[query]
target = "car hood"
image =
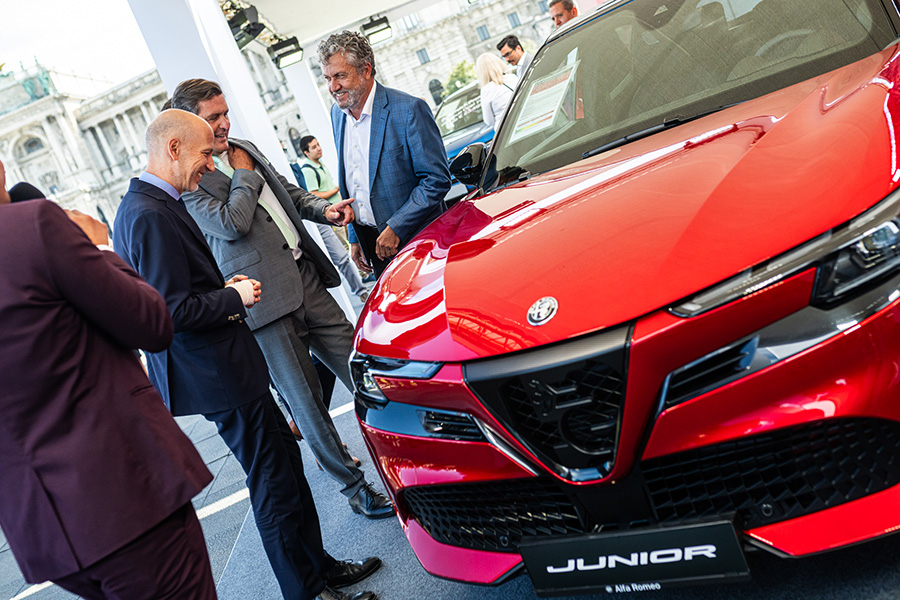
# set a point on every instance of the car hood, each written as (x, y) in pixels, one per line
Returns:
(641, 227)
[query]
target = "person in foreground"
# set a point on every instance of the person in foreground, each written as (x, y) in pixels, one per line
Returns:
(391, 158)
(214, 366)
(97, 477)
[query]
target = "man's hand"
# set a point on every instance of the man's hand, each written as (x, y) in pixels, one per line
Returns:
(4, 195)
(340, 213)
(96, 231)
(387, 244)
(356, 255)
(249, 289)
(239, 159)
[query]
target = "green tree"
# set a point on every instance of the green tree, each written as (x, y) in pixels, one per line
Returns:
(461, 74)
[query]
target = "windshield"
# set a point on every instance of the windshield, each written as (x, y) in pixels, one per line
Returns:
(462, 109)
(653, 62)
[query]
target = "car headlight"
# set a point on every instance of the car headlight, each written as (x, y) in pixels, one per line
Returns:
(364, 369)
(858, 265)
(850, 259)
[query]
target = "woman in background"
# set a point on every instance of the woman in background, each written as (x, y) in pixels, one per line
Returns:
(496, 88)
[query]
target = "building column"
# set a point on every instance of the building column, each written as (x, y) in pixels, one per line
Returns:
(57, 148)
(129, 139)
(145, 112)
(206, 49)
(100, 159)
(107, 151)
(66, 124)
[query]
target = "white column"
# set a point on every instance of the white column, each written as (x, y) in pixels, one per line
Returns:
(57, 148)
(316, 115)
(129, 139)
(68, 126)
(191, 38)
(95, 149)
(107, 150)
(145, 112)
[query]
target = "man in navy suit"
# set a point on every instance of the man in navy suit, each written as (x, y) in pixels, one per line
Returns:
(391, 159)
(214, 366)
(96, 476)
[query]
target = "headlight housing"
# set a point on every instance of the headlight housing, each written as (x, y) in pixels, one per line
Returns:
(850, 259)
(364, 369)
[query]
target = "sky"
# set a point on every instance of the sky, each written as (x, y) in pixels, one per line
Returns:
(94, 38)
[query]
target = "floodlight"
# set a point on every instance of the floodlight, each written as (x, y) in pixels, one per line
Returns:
(286, 52)
(377, 30)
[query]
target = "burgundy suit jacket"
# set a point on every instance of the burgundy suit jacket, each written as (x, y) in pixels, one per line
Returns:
(89, 456)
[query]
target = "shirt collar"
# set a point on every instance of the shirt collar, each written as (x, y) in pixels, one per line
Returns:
(367, 107)
(160, 183)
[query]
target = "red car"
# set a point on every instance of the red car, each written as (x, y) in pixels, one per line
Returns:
(666, 325)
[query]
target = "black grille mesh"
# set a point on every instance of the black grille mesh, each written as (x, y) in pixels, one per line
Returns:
(492, 516)
(773, 477)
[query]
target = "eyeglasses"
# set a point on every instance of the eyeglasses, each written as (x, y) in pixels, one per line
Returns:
(506, 54)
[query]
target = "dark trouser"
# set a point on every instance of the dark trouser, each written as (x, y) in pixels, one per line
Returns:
(282, 503)
(167, 562)
(367, 237)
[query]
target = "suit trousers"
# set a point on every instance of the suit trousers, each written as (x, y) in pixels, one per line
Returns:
(367, 237)
(282, 502)
(169, 561)
(318, 325)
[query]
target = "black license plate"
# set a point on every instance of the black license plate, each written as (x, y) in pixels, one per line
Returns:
(635, 561)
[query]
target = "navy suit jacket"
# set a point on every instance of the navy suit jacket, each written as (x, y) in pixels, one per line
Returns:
(214, 363)
(408, 172)
(89, 457)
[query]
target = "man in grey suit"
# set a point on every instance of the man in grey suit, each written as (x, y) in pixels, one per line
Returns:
(252, 218)
(391, 157)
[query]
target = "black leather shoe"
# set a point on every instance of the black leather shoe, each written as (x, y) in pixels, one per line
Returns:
(331, 594)
(345, 572)
(371, 504)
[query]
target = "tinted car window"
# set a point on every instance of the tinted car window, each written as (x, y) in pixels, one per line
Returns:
(459, 111)
(642, 65)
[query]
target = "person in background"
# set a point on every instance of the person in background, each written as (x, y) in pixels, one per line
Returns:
(319, 183)
(563, 11)
(214, 366)
(511, 51)
(496, 88)
(97, 477)
(391, 159)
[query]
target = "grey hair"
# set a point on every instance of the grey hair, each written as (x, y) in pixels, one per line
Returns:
(567, 5)
(352, 45)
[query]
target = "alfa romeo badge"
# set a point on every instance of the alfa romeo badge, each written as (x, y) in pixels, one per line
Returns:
(542, 310)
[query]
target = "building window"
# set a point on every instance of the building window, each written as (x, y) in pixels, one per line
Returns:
(514, 19)
(410, 22)
(30, 146)
(544, 6)
(483, 33)
(423, 56)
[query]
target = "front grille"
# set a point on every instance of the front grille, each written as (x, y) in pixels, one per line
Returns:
(564, 403)
(492, 516)
(777, 476)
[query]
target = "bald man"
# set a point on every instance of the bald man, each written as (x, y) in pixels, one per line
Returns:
(214, 366)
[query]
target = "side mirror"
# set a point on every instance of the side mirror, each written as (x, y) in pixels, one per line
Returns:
(467, 165)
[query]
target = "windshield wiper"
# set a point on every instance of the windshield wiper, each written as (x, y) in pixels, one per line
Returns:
(666, 124)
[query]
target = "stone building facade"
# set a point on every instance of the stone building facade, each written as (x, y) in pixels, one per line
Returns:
(82, 152)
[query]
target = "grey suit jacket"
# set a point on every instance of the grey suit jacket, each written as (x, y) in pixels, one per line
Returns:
(245, 240)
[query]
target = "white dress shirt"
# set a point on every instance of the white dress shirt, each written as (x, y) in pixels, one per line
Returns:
(357, 134)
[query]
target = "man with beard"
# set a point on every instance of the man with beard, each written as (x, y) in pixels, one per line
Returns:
(391, 157)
